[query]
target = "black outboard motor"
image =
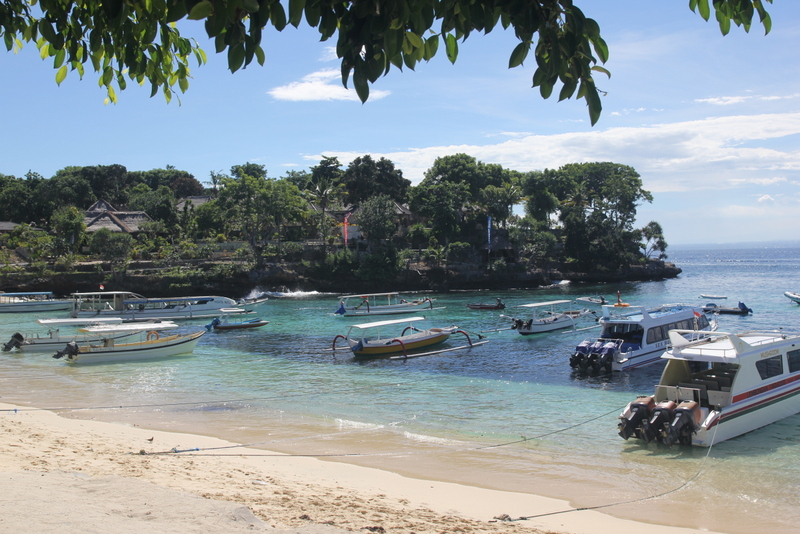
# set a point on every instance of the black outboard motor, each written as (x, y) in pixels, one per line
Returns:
(745, 309)
(661, 417)
(14, 343)
(684, 422)
(516, 324)
(69, 351)
(639, 413)
(581, 352)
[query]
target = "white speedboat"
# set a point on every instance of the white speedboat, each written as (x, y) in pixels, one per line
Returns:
(718, 387)
(547, 317)
(793, 296)
(113, 328)
(154, 346)
(37, 301)
(134, 307)
(634, 336)
(381, 304)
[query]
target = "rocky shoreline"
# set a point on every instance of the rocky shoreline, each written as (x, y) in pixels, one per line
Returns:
(205, 277)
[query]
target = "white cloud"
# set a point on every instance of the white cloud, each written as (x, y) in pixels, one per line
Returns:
(766, 198)
(723, 100)
(322, 85)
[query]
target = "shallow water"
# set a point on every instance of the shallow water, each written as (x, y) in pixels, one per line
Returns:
(510, 414)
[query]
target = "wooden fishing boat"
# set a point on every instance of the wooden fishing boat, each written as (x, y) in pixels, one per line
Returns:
(381, 304)
(226, 322)
(717, 387)
(547, 317)
(36, 301)
(380, 338)
(498, 305)
(154, 346)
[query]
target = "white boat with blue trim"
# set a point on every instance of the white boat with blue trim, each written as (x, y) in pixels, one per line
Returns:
(716, 387)
(35, 301)
(382, 304)
(634, 336)
(134, 307)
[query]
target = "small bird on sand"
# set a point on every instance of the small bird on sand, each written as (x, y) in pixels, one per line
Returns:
(150, 439)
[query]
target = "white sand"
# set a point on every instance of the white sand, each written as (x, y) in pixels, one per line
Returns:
(66, 475)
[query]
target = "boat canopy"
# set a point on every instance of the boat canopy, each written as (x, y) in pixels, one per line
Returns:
(28, 294)
(543, 304)
(386, 323)
(365, 295)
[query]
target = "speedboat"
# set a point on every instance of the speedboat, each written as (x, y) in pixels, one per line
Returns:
(224, 321)
(717, 387)
(598, 299)
(547, 317)
(37, 301)
(381, 304)
(134, 307)
(793, 296)
(154, 346)
(635, 336)
(741, 309)
(53, 341)
(381, 338)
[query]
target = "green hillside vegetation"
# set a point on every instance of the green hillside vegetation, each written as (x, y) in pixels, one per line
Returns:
(579, 217)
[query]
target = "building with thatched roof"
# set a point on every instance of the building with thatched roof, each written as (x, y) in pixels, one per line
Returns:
(102, 214)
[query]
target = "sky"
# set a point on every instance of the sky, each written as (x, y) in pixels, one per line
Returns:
(710, 122)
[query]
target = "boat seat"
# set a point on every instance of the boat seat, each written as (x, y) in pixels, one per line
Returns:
(701, 389)
(710, 384)
(722, 380)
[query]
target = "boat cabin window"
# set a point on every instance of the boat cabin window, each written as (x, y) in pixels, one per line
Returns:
(794, 360)
(625, 332)
(660, 333)
(769, 367)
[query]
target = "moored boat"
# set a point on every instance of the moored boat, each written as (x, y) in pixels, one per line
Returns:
(154, 346)
(497, 305)
(547, 317)
(36, 301)
(53, 341)
(741, 309)
(134, 307)
(718, 387)
(597, 299)
(793, 296)
(381, 304)
(635, 336)
(225, 321)
(128, 327)
(380, 338)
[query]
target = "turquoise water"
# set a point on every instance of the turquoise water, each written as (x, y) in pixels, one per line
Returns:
(510, 414)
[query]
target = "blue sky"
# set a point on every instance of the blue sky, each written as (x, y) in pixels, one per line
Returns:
(711, 123)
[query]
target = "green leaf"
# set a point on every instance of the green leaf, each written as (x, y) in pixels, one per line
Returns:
(183, 83)
(518, 55)
(361, 84)
(605, 71)
(431, 47)
(108, 76)
(414, 39)
(593, 101)
(235, 57)
(546, 89)
(61, 74)
(451, 47)
(260, 57)
(201, 10)
(59, 58)
(705, 12)
(296, 8)
(278, 16)
(112, 95)
(251, 6)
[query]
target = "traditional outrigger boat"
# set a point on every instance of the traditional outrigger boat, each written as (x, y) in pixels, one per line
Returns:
(717, 387)
(635, 336)
(224, 321)
(547, 317)
(36, 301)
(370, 340)
(154, 346)
(598, 299)
(381, 304)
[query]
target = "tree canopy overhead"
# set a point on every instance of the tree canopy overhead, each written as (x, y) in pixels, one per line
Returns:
(140, 41)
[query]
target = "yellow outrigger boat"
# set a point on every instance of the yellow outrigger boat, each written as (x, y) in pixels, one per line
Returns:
(372, 340)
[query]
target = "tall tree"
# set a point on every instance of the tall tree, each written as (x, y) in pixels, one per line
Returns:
(68, 226)
(140, 41)
(366, 178)
(376, 218)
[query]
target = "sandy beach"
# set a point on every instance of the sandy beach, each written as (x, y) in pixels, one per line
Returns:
(69, 475)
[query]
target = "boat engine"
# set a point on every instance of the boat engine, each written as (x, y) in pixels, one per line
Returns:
(581, 352)
(685, 421)
(14, 343)
(605, 356)
(516, 324)
(69, 351)
(637, 413)
(661, 416)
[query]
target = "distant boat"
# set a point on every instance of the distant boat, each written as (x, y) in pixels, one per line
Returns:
(128, 327)
(547, 317)
(53, 341)
(381, 304)
(704, 296)
(37, 301)
(224, 322)
(599, 299)
(793, 296)
(487, 306)
(741, 309)
(134, 307)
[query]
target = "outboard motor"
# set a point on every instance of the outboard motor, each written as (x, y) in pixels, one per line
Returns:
(744, 308)
(594, 355)
(14, 343)
(70, 351)
(516, 324)
(684, 422)
(581, 351)
(638, 413)
(210, 326)
(605, 356)
(661, 417)
(341, 310)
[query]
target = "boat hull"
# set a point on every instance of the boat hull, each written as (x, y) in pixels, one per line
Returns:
(398, 345)
(241, 326)
(793, 296)
(154, 348)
